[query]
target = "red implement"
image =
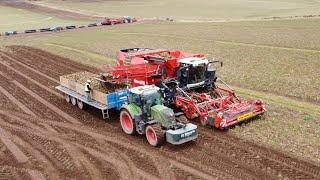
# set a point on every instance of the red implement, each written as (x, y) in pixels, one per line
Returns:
(223, 111)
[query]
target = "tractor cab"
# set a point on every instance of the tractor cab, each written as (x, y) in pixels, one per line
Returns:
(196, 72)
(145, 96)
(149, 99)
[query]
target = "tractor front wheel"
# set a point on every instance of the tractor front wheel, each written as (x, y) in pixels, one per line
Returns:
(155, 135)
(127, 123)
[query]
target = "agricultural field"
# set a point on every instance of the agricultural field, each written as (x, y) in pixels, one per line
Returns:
(21, 19)
(276, 61)
(184, 10)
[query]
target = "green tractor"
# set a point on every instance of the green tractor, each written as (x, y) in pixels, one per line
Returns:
(145, 114)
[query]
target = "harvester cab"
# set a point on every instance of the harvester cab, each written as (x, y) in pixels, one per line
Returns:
(196, 73)
(145, 114)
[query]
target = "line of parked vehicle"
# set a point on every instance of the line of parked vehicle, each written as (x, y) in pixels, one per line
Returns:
(105, 22)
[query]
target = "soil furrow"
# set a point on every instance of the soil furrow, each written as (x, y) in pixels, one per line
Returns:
(6, 55)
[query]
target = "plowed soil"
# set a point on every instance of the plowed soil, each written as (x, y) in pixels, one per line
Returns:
(43, 137)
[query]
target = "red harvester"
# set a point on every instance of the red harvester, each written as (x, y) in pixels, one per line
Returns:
(144, 66)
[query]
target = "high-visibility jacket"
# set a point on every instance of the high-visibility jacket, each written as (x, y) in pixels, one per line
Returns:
(87, 87)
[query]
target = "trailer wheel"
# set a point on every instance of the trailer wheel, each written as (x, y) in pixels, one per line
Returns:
(80, 104)
(183, 119)
(67, 97)
(73, 101)
(155, 135)
(127, 123)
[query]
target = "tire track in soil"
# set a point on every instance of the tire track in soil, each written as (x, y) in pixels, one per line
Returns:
(94, 173)
(9, 172)
(29, 101)
(40, 139)
(258, 157)
(29, 62)
(30, 79)
(16, 102)
(64, 63)
(46, 103)
(7, 56)
(17, 153)
(71, 150)
(234, 145)
(57, 140)
(42, 64)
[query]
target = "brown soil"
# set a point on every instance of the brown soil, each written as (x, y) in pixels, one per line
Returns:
(48, 138)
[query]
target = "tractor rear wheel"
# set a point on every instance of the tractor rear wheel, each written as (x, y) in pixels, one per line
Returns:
(155, 135)
(182, 119)
(73, 101)
(127, 122)
(67, 97)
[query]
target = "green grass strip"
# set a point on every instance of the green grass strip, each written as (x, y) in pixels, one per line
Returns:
(281, 100)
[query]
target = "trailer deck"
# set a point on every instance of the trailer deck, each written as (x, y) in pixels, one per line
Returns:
(104, 108)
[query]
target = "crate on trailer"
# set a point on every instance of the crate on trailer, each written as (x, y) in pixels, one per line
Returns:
(99, 96)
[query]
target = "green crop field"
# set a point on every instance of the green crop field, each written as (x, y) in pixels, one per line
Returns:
(20, 19)
(212, 10)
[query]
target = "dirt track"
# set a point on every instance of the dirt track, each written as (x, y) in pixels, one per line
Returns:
(43, 137)
(49, 11)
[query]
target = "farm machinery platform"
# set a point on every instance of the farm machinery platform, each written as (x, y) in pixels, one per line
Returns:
(143, 66)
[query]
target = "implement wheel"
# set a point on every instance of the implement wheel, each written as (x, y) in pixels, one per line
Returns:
(155, 135)
(73, 101)
(127, 123)
(67, 97)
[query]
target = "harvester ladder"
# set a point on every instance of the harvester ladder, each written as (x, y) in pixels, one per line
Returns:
(105, 114)
(127, 60)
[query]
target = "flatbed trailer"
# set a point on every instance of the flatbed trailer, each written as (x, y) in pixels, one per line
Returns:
(114, 100)
(69, 94)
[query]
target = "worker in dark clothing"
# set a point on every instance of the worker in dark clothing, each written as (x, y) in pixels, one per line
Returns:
(88, 89)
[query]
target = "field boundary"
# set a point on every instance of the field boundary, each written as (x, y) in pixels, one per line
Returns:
(84, 52)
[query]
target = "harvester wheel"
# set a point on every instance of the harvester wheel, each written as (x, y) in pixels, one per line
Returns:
(73, 101)
(67, 97)
(155, 135)
(183, 119)
(80, 104)
(127, 123)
